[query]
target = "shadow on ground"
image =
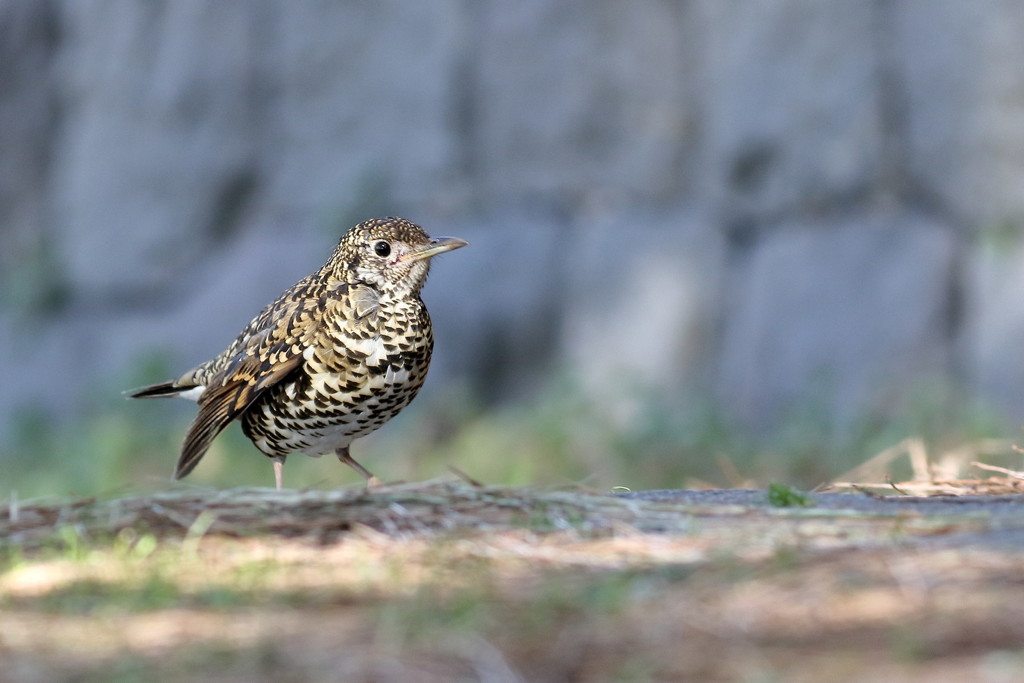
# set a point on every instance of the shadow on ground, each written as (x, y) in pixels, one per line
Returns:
(452, 581)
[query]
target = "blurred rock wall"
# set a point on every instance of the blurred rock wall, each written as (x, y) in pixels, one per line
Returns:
(764, 201)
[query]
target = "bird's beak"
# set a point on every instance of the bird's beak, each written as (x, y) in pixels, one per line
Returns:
(436, 246)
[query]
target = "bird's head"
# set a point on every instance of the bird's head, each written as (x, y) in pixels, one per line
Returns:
(391, 254)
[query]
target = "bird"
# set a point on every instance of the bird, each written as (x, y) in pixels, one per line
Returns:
(331, 360)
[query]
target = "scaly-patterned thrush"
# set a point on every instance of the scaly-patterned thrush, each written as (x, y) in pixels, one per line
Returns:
(331, 360)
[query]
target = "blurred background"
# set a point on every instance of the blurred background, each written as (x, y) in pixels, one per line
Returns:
(713, 241)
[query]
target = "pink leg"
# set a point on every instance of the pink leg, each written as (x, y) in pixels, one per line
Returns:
(350, 461)
(278, 471)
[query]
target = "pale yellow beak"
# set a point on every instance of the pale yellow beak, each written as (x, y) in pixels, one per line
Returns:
(437, 245)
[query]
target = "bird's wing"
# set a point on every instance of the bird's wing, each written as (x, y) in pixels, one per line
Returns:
(271, 348)
(268, 350)
(249, 339)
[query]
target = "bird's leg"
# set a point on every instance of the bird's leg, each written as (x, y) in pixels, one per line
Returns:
(344, 456)
(278, 471)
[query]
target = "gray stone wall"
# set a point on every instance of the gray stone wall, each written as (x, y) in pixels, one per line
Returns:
(764, 201)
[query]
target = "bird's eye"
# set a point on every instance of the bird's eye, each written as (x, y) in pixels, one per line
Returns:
(382, 249)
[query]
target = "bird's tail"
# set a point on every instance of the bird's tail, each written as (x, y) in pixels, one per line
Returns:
(158, 390)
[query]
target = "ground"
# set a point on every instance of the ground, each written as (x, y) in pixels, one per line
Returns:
(450, 580)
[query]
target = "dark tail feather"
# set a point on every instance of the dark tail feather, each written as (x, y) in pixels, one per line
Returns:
(157, 390)
(215, 413)
(219, 405)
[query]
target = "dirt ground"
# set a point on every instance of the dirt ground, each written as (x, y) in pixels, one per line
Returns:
(448, 581)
